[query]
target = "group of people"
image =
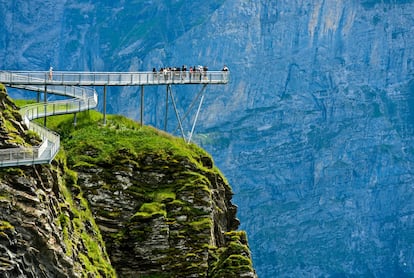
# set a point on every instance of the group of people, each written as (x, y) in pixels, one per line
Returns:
(195, 72)
(183, 68)
(171, 73)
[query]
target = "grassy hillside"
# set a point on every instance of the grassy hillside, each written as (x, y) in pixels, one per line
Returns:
(90, 142)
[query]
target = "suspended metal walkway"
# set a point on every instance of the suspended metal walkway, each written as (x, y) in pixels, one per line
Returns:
(82, 99)
(112, 78)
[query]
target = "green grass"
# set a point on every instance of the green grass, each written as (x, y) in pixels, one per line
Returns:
(120, 140)
(23, 102)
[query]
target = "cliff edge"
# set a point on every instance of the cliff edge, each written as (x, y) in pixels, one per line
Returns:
(119, 200)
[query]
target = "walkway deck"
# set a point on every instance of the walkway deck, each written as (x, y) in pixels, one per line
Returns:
(112, 78)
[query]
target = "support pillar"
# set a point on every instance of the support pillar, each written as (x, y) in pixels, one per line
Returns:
(104, 106)
(168, 88)
(45, 103)
(142, 105)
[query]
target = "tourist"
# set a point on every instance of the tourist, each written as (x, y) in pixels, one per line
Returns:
(50, 73)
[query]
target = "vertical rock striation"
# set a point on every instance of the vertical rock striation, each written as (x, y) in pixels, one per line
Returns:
(162, 213)
(44, 230)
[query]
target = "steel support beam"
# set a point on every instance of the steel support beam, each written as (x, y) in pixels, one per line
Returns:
(104, 105)
(45, 101)
(142, 106)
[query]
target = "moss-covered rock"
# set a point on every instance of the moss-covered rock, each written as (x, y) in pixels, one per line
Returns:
(13, 132)
(45, 230)
(120, 200)
(162, 204)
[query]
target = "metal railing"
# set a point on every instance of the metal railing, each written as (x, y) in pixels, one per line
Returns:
(81, 99)
(113, 78)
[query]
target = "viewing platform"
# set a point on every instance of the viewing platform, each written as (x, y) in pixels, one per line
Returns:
(70, 78)
(73, 86)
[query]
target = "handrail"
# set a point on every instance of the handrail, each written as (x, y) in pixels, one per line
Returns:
(81, 99)
(113, 78)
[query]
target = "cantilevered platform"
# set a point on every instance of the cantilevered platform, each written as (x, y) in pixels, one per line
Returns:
(112, 78)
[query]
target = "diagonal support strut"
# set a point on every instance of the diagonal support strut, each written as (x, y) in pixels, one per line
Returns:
(180, 119)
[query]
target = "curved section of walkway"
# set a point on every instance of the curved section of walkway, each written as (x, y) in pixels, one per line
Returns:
(79, 99)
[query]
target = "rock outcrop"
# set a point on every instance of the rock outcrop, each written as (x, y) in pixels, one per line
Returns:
(162, 214)
(162, 206)
(45, 230)
(159, 211)
(13, 133)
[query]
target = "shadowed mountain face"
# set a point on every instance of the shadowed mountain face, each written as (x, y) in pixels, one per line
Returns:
(314, 132)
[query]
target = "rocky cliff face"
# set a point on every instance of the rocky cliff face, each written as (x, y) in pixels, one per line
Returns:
(12, 132)
(162, 205)
(156, 214)
(45, 231)
(162, 215)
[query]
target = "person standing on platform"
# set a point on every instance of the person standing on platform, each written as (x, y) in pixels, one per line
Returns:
(50, 73)
(183, 72)
(225, 72)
